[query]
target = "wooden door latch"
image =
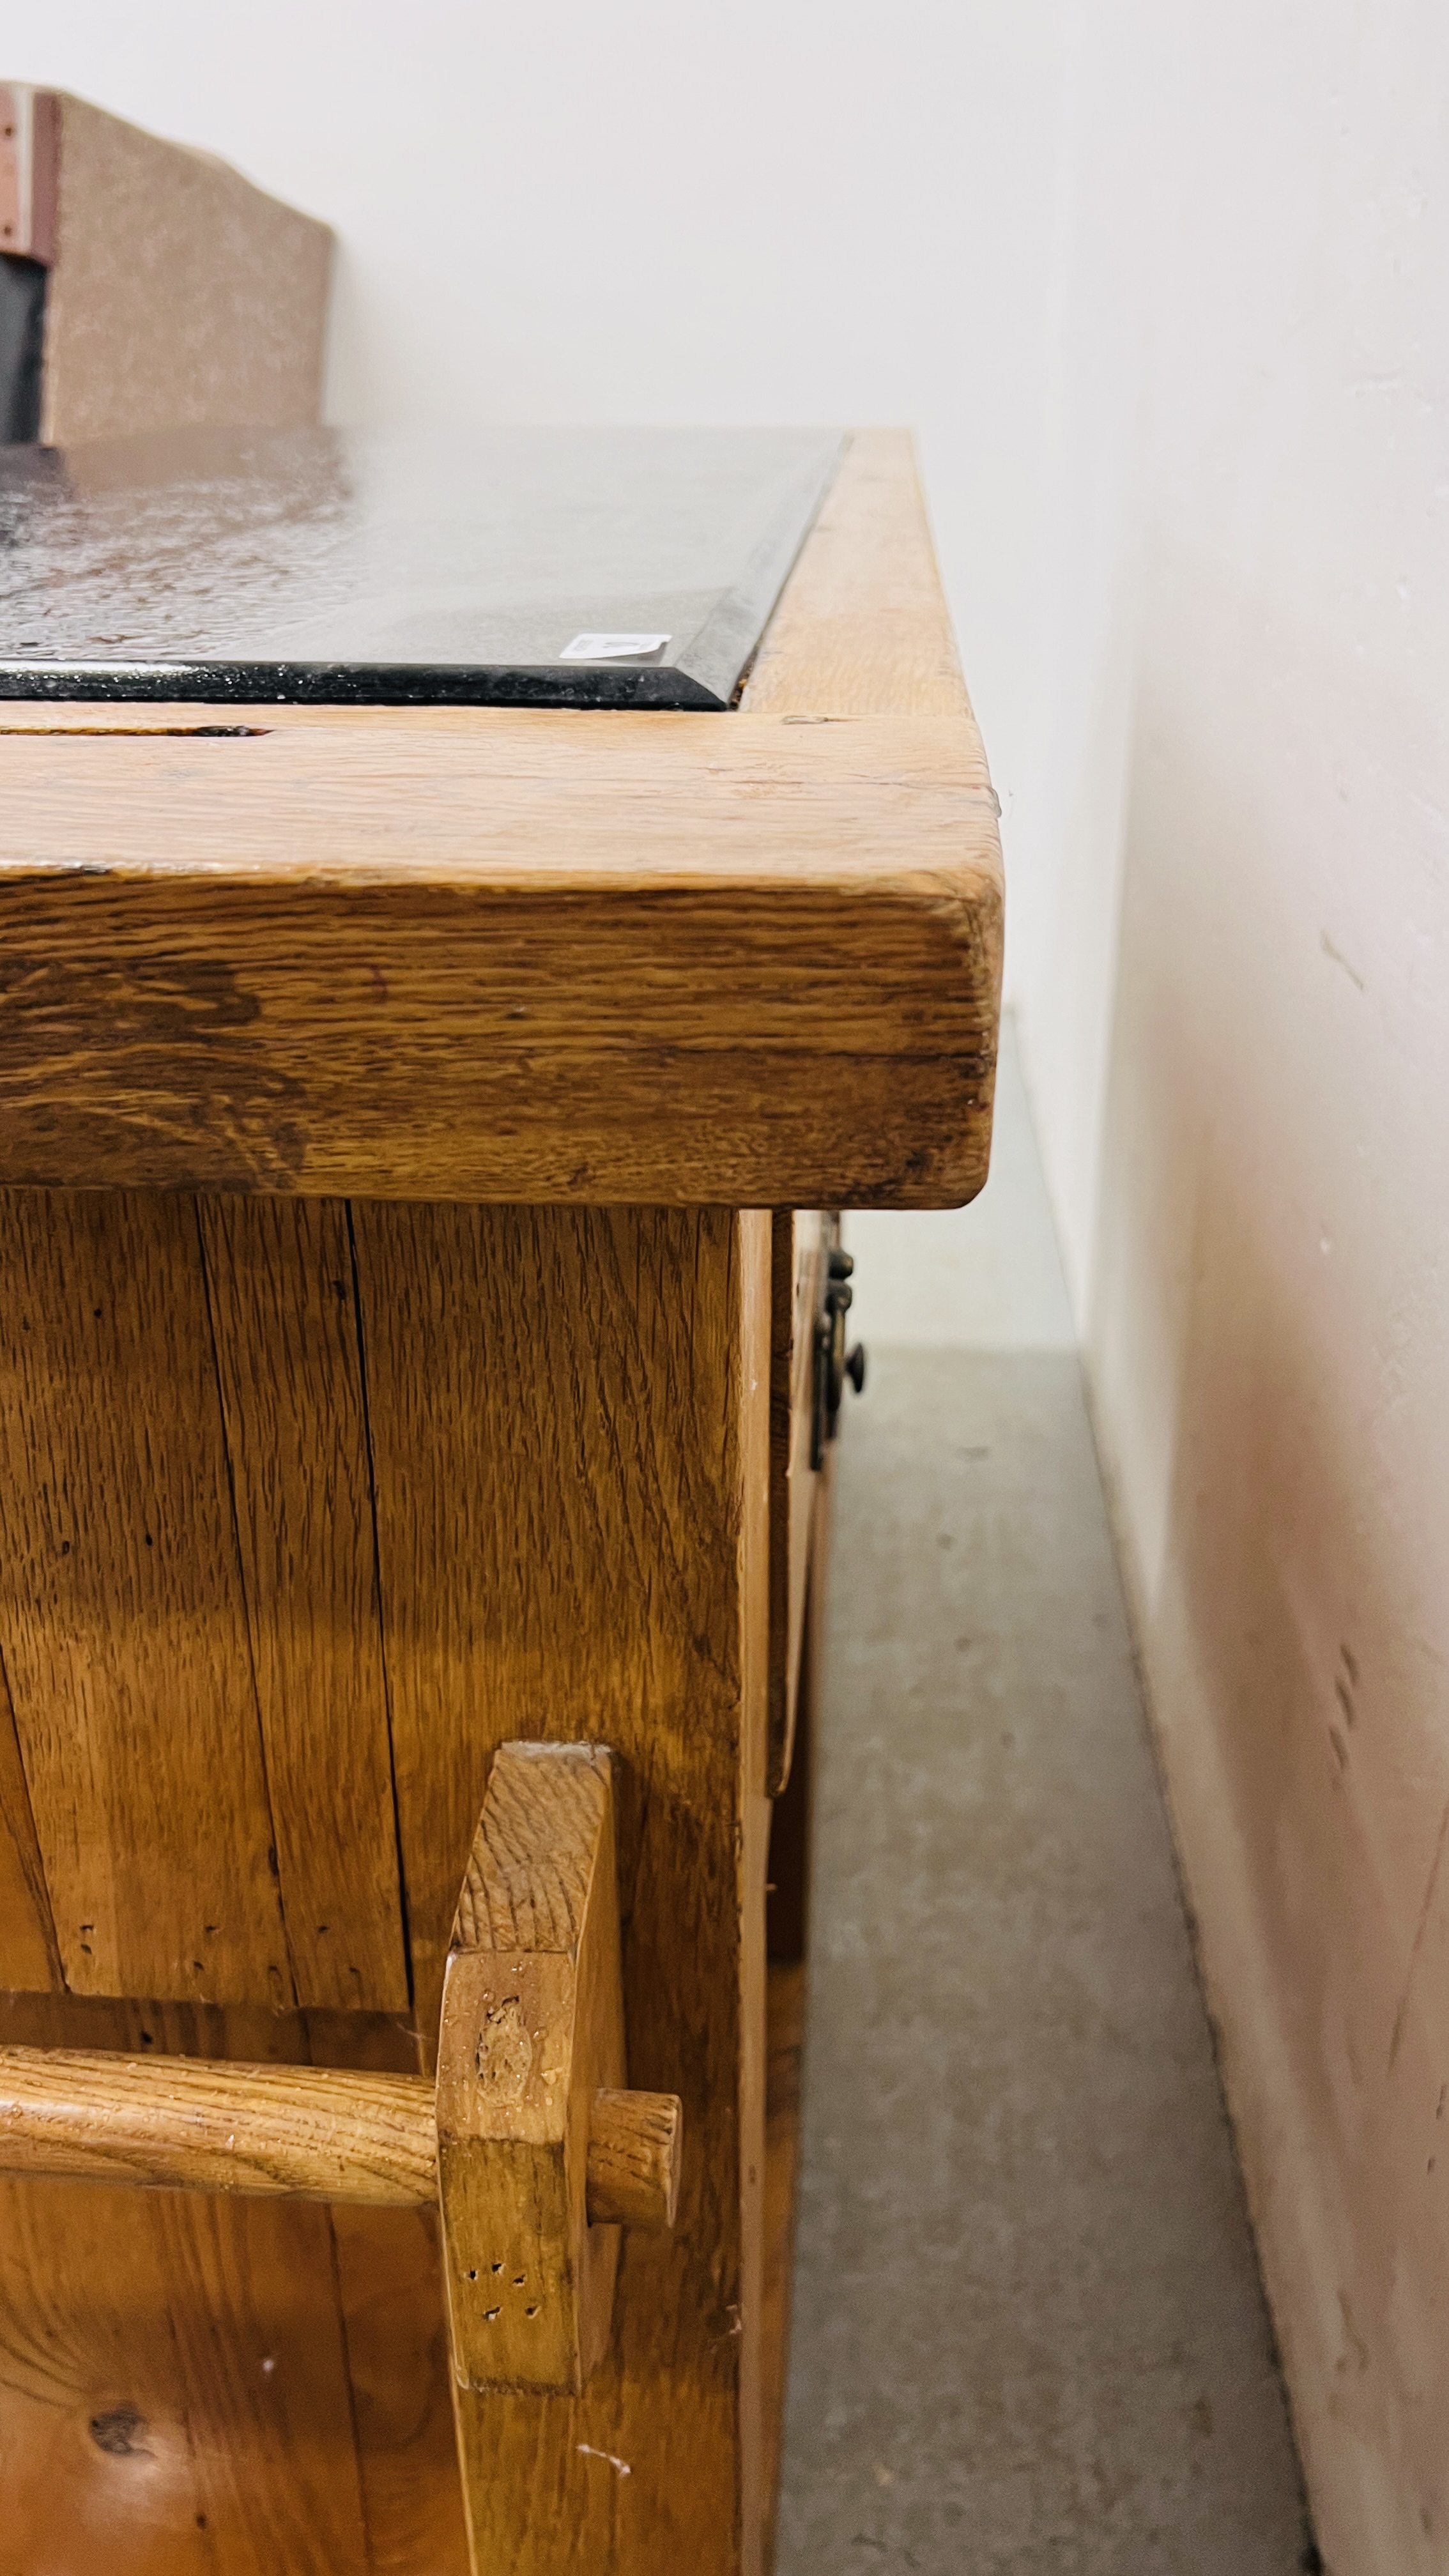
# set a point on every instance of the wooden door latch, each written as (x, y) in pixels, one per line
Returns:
(529, 2143)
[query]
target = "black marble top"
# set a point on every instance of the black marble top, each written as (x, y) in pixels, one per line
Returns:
(502, 567)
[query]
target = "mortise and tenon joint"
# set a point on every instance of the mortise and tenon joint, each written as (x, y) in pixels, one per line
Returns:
(535, 2150)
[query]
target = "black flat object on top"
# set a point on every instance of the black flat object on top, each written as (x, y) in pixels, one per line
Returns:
(491, 567)
(22, 346)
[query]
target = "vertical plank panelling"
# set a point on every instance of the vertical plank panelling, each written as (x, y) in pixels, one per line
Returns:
(173, 2372)
(173, 2381)
(28, 1955)
(390, 2286)
(97, 2463)
(259, 2336)
(280, 1280)
(569, 1414)
(121, 1616)
(798, 1249)
(390, 2277)
(782, 2157)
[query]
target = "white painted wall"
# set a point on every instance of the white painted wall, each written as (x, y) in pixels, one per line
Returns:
(987, 1277)
(1262, 1251)
(1165, 291)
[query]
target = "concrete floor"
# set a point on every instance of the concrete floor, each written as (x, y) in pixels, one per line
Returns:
(1028, 2330)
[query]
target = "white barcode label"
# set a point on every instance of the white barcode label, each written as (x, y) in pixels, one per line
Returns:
(612, 648)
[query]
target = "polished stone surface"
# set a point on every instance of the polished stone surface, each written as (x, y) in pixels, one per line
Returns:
(547, 567)
(1029, 2338)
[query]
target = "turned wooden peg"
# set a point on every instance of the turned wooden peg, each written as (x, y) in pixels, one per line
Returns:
(291, 2133)
(543, 2154)
(633, 2161)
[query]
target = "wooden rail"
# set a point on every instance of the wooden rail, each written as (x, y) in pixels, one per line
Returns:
(290, 2132)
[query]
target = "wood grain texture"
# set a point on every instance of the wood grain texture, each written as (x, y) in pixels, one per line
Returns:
(862, 627)
(394, 2313)
(537, 1851)
(504, 961)
(121, 1616)
(300, 2133)
(100, 2465)
(516, 956)
(794, 1296)
(787, 2000)
(635, 2146)
(346, 2304)
(250, 2282)
(173, 2381)
(394, 2310)
(690, 1295)
(532, 2025)
(787, 1919)
(283, 1314)
(569, 1413)
(29, 1957)
(178, 293)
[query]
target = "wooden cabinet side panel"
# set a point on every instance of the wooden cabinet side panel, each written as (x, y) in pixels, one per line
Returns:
(173, 2379)
(390, 2283)
(795, 1294)
(29, 1958)
(569, 1409)
(121, 1616)
(97, 2451)
(283, 1312)
(259, 2336)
